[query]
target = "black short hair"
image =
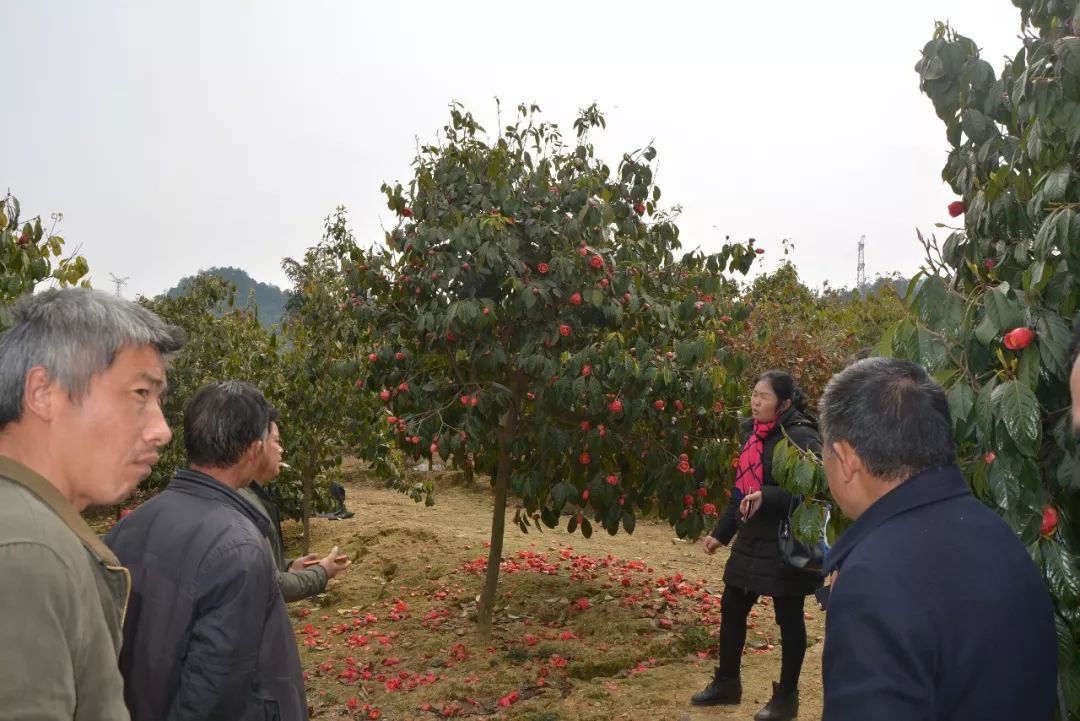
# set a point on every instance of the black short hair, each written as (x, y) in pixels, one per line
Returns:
(785, 388)
(894, 415)
(222, 420)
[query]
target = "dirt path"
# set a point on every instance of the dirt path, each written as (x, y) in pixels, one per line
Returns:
(600, 628)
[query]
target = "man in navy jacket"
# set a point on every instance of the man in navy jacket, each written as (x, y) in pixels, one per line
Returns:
(207, 636)
(937, 611)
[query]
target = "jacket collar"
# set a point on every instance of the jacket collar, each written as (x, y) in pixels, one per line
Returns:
(791, 418)
(932, 486)
(203, 486)
(51, 497)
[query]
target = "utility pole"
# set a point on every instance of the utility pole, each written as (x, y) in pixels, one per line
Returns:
(119, 282)
(860, 278)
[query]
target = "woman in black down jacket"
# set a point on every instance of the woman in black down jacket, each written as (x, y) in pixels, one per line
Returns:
(755, 567)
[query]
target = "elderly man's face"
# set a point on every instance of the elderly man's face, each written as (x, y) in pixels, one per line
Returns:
(111, 437)
(1074, 391)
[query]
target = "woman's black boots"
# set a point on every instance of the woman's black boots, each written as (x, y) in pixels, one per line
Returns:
(783, 706)
(723, 690)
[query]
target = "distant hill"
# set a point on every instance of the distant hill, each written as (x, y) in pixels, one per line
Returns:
(269, 298)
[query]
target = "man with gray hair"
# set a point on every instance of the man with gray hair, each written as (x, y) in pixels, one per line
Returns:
(81, 377)
(208, 637)
(937, 611)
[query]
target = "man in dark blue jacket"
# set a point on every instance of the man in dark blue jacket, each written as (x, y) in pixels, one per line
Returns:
(937, 611)
(207, 636)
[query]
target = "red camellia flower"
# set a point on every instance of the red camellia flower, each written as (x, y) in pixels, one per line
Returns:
(957, 208)
(639, 208)
(989, 457)
(543, 267)
(684, 467)
(688, 500)
(372, 357)
(385, 395)
(585, 495)
(403, 388)
(575, 299)
(1049, 522)
(759, 251)
(450, 337)
(658, 404)
(615, 406)
(596, 261)
(407, 212)
(565, 330)
(584, 426)
(613, 480)
(989, 263)
(399, 356)
(584, 459)
(1019, 338)
(391, 420)
(703, 492)
(709, 509)
(586, 371)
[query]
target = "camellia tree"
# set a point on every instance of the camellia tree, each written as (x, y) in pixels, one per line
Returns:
(31, 254)
(529, 316)
(324, 414)
(991, 315)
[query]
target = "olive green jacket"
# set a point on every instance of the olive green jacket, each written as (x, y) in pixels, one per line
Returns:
(63, 597)
(294, 585)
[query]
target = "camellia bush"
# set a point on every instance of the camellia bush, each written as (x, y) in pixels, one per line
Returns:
(529, 317)
(31, 254)
(992, 312)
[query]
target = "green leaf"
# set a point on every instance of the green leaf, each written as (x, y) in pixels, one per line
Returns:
(1056, 183)
(986, 331)
(806, 473)
(1027, 371)
(984, 413)
(1004, 313)
(597, 297)
(977, 126)
(806, 521)
(586, 528)
(961, 402)
(1062, 577)
(1054, 337)
(629, 522)
(1019, 412)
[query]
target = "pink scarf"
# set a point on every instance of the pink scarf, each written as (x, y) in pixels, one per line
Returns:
(749, 474)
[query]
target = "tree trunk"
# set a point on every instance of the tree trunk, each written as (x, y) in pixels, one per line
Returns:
(306, 506)
(486, 608)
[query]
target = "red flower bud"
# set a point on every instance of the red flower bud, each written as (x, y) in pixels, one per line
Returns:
(575, 299)
(596, 261)
(542, 267)
(615, 406)
(565, 330)
(1019, 338)
(957, 208)
(1049, 522)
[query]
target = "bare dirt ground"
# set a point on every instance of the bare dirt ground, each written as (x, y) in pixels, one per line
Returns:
(616, 627)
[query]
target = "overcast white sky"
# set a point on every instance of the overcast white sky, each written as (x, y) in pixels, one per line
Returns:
(183, 135)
